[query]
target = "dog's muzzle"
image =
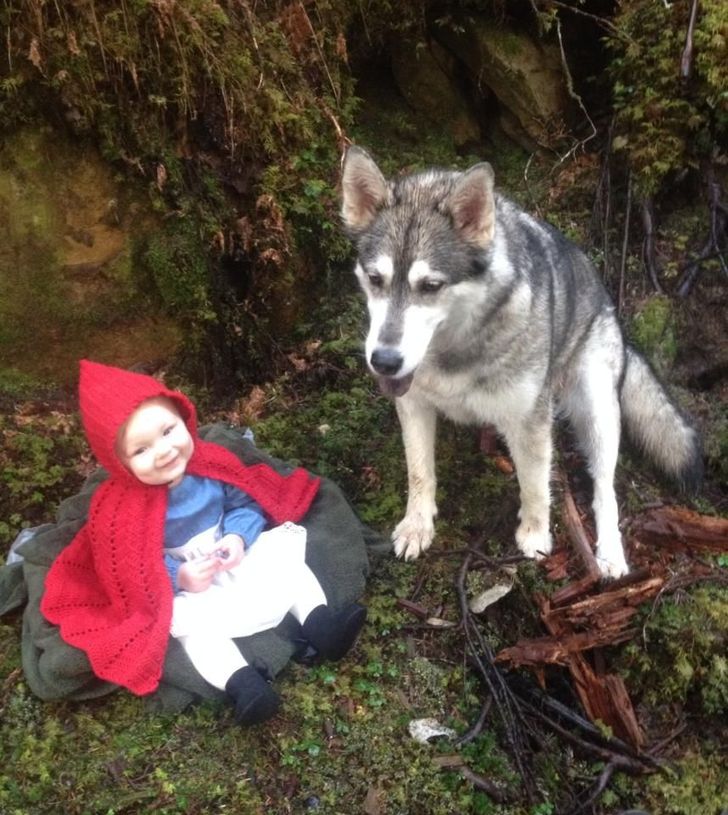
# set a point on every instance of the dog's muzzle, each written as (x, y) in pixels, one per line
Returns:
(386, 363)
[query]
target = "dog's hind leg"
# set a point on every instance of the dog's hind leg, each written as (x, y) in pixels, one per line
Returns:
(415, 531)
(595, 416)
(530, 445)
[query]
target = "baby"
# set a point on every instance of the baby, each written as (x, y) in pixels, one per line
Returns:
(177, 541)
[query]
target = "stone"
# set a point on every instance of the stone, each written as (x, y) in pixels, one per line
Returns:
(424, 74)
(525, 75)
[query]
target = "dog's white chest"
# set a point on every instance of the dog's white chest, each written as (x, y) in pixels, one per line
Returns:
(462, 401)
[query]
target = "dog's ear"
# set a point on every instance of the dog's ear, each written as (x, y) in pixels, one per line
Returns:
(364, 189)
(472, 205)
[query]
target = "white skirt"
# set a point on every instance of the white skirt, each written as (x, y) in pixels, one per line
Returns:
(254, 596)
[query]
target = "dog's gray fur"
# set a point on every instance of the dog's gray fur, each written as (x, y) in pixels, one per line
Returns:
(486, 315)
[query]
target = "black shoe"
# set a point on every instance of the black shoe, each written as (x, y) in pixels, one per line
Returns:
(331, 633)
(254, 699)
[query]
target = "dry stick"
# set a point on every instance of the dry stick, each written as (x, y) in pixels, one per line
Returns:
(506, 702)
(711, 248)
(476, 728)
(551, 710)
(574, 95)
(97, 28)
(692, 270)
(636, 765)
(604, 778)
(648, 246)
(609, 26)
(625, 242)
(482, 783)
(686, 61)
(606, 194)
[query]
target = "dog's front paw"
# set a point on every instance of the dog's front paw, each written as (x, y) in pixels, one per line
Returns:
(534, 540)
(610, 557)
(412, 535)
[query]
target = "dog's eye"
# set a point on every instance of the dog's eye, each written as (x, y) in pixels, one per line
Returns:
(375, 280)
(430, 286)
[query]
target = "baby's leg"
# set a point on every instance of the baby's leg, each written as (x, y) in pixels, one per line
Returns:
(308, 594)
(221, 664)
(215, 658)
(332, 634)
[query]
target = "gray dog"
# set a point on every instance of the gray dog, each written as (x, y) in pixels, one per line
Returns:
(486, 315)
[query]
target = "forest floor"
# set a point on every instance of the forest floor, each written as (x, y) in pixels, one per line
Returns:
(632, 716)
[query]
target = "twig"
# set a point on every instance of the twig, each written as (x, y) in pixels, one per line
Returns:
(604, 202)
(574, 95)
(692, 270)
(686, 61)
(482, 783)
(635, 765)
(604, 778)
(625, 243)
(508, 708)
(712, 246)
(475, 730)
(335, 90)
(534, 203)
(553, 711)
(609, 26)
(648, 246)
(660, 745)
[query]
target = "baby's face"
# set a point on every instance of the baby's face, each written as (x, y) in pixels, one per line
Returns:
(155, 444)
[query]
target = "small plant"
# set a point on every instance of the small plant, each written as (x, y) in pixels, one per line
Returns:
(40, 460)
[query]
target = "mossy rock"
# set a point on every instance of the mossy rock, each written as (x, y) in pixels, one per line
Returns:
(67, 289)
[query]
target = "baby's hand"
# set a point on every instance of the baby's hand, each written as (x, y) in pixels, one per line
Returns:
(197, 575)
(234, 548)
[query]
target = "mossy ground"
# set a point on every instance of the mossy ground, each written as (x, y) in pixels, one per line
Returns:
(341, 743)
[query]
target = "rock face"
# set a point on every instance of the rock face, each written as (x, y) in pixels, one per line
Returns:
(424, 75)
(526, 77)
(491, 61)
(67, 286)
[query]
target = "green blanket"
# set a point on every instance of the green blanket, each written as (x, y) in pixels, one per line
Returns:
(336, 550)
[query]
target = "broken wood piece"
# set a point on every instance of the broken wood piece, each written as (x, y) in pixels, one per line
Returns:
(558, 650)
(680, 529)
(602, 697)
(577, 533)
(588, 611)
(577, 588)
(413, 608)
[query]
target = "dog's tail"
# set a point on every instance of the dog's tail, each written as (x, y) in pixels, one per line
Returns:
(658, 426)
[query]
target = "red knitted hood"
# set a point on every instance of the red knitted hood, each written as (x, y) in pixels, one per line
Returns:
(108, 396)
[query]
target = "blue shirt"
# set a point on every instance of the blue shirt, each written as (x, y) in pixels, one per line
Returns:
(199, 504)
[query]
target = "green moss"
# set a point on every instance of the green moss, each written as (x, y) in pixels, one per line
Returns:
(652, 330)
(174, 261)
(696, 784)
(681, 657)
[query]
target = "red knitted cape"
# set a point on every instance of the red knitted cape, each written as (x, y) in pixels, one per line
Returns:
(109, 590)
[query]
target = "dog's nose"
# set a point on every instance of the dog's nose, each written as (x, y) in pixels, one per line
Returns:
(386, 361)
